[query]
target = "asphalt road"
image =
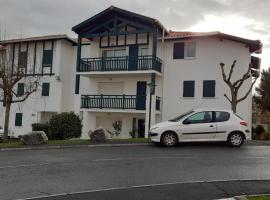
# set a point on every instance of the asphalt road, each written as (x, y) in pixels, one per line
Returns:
(143, 170)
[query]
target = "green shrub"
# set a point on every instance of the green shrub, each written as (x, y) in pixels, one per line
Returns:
(64, 126)
(259, 129)
(41, 127)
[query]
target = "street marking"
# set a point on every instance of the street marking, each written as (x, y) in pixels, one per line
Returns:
(139, 186)
(23, 165)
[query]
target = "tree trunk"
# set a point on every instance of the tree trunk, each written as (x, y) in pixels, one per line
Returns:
(233, 105)
(234, 100)
(6, 125)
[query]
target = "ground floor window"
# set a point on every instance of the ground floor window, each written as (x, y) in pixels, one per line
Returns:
(18, 119)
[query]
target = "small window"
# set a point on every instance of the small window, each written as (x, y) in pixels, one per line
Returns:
(190, 50)
(188, 88)
(45, 89)
(22, 60)
(18, 119)
(20, 89)
(114, 53)
(47, 57)
(222, 116)
(184, 50)
(201, 117)
(179, 50)
(209, 88)
(144, 52)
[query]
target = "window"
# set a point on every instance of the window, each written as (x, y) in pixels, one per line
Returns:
(222, 116)
(209, 88)
(20, 89)
(201, 117)
(188, 88)
(18, 119)
(179, 50)
(22, 60)
(114, 53)
(45, 89)
(184, 50)
(143, 51)
(47, 57)
(190, 50)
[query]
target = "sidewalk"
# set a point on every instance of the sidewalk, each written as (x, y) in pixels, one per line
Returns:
(174, 191)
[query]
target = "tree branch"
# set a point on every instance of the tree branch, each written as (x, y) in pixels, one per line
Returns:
(24, 98)
(231, 70)
(244, 97)
(225, 95)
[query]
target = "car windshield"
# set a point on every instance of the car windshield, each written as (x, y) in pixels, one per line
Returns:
(181, 116)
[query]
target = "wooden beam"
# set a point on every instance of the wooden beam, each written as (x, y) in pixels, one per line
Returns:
(52, 57)
(35, 58)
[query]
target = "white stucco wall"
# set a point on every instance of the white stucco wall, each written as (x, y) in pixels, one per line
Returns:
(61, 90)
(205, 66)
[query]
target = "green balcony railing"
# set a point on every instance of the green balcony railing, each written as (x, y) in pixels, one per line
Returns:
(137, 102)
(123, 63)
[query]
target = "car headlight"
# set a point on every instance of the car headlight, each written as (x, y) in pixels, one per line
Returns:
(154, 128)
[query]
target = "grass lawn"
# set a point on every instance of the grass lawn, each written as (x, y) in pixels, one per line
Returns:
(263, 197)
(18, 144)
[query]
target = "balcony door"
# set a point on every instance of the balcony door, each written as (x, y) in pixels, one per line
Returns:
(133, 57)
(141, 95)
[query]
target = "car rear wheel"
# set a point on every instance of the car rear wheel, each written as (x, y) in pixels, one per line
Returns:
(169, 139)
(236, 139)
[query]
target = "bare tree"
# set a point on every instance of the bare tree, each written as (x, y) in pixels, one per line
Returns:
(236, 85)
(10, 75)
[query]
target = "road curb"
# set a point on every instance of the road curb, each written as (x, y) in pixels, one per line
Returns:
(73, 146)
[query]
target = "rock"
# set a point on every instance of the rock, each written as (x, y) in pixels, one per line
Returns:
(34, 138)
(98, 135)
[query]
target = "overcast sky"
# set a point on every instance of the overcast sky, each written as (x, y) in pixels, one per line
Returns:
(245, 18)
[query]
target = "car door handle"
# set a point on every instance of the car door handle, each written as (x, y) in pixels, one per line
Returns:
(211, 126)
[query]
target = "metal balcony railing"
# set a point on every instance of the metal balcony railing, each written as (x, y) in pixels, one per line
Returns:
(123, 63)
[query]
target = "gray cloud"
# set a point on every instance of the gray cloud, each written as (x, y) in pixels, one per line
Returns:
(32, 17)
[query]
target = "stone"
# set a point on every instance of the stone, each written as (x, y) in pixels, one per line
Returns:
(34, 138)
(98, 135)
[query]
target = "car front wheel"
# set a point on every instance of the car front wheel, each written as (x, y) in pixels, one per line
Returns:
(169, 139)
(236, 139)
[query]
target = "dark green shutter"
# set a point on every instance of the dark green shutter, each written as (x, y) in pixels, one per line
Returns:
(188, 90)
(20, 89)
(22, 60)
(47, 57)
(77, 84)
(179, 50)
(45, 89)
(209, 88)
(18, 119)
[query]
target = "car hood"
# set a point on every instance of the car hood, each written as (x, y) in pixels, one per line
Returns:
(163, 124)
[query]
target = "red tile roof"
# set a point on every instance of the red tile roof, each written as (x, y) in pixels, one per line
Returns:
(39, 38)
(255, 46)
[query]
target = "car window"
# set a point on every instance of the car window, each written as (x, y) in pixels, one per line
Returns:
(201, 117)
(180, 116)
(222, 116)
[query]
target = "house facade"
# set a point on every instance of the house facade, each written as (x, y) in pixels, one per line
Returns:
(128, 68)
(50, 60)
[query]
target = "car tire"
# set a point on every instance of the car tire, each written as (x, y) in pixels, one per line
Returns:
(169, 139)
(236, 139)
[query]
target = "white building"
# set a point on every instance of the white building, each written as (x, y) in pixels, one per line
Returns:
(135, 71)
(51, 59)
(139, 73)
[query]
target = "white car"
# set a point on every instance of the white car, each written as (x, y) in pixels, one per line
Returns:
(202, 125)
(1, 133)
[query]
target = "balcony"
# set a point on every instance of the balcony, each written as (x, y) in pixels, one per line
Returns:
(123, 102)
(124, 63)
